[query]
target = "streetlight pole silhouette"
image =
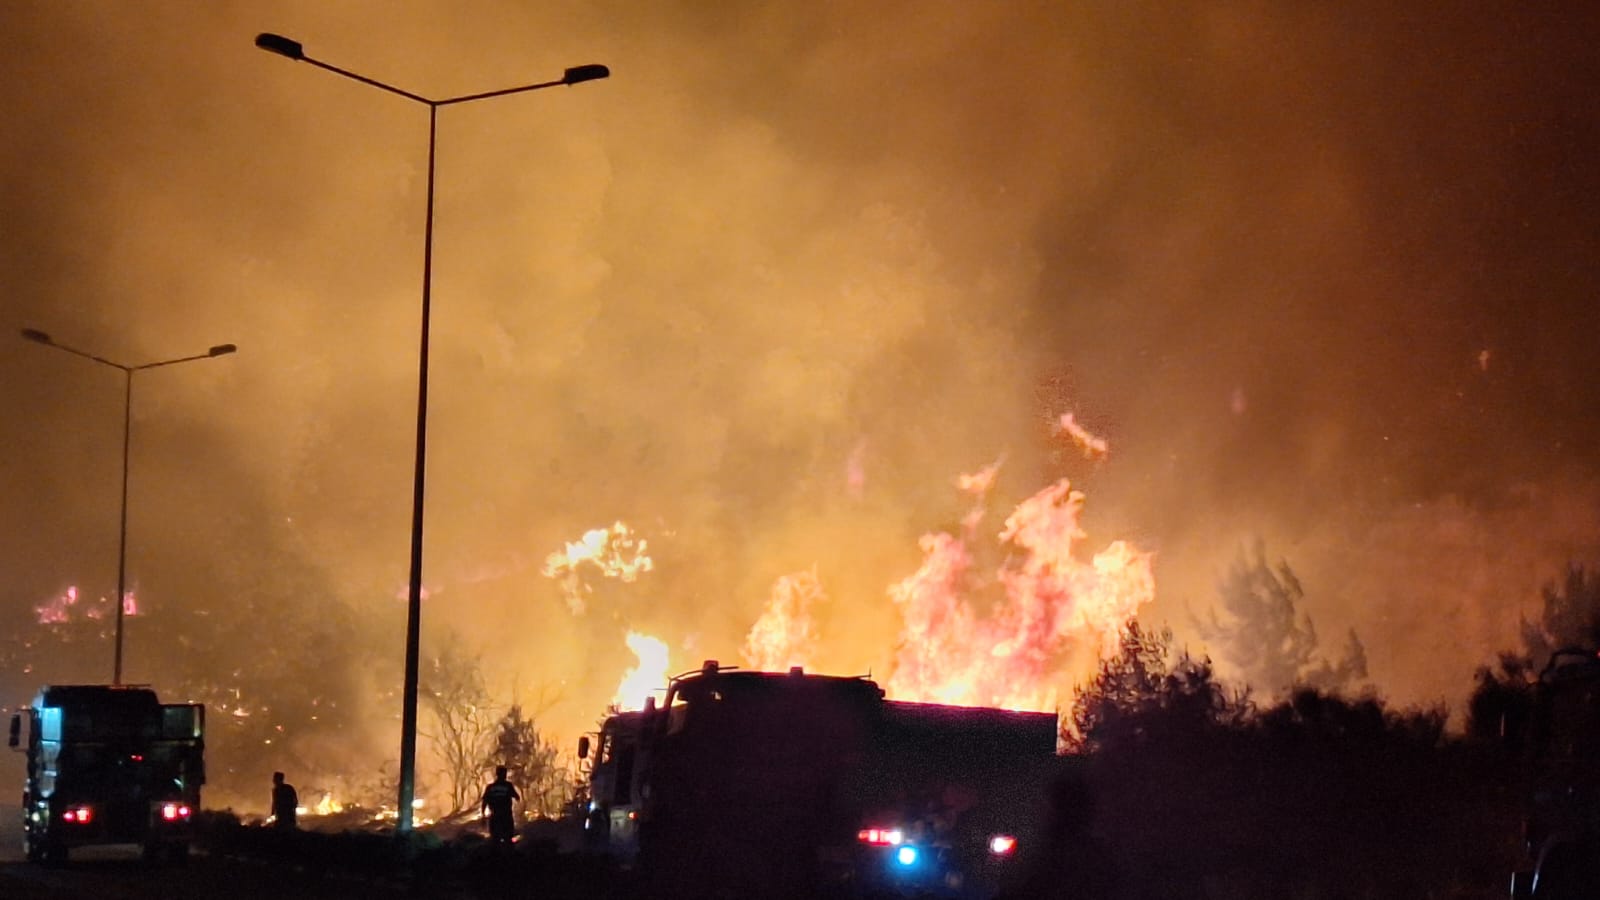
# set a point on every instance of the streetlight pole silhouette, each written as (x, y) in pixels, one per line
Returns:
(40, 337)
(292, 49)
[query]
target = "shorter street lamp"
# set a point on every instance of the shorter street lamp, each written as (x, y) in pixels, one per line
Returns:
(40, 337)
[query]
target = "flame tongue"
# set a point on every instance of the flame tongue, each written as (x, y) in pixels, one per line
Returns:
(785, 635)
(1051, 608)
(649, 674)
(615, 553)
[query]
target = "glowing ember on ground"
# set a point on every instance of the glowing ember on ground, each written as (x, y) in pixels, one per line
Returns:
(65, 607)
(326, 806)
(59, 609)
(647, 676)
(785, 635)
(614, 552)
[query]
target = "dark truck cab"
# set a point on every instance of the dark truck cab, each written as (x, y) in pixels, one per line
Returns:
(1562, 759)
(109, 764)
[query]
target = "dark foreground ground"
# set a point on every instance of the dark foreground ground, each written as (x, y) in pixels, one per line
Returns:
(241, 862)
(244, 862)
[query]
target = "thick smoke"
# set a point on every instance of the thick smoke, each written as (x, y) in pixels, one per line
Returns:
(1319, 275)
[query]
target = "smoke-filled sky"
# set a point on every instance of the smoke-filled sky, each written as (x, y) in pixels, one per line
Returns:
(1319, 274)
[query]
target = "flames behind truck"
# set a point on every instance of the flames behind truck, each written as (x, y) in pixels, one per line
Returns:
(762, 784)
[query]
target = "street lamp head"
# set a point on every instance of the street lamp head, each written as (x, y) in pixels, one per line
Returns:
(590, 72)
(37, 336)
(277, 43)
(222, 350)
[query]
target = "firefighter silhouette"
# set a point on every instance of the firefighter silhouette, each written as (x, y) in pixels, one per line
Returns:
(498, 798)
(285, 803)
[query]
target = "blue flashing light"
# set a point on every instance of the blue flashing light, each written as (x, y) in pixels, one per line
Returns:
(906, 856)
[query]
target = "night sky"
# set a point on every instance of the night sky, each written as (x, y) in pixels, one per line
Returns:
(1321, 275)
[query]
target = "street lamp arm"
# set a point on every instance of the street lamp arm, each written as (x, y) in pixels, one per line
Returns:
(500, 93)
(218, 350)
(289, 48)
(40, 337)
(365, 80)
(573, 75)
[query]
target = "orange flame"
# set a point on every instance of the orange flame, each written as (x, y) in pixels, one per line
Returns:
(785, 635)
(614, 552)
(1093, 447)
(648, 675)
(1053, 609)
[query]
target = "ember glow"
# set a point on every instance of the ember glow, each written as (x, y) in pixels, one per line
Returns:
(1093, 447)
(59, 609)
(67, 606)
(614, 552)
(326, 806)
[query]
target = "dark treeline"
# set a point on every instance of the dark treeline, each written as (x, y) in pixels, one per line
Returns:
(1179, 785)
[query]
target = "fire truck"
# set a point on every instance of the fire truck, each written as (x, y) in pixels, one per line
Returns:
(788, 784)
(611, 822)
(109, 764)
(1562, 756)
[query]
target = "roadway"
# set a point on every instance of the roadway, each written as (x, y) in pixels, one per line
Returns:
(118, 873)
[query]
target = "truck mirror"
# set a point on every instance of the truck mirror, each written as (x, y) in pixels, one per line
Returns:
(16, 730)
(583, 743)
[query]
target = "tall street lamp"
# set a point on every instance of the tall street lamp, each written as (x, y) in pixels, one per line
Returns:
(292, 49)
(40, 337)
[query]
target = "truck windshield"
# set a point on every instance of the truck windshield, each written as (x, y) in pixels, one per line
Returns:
(111, 725)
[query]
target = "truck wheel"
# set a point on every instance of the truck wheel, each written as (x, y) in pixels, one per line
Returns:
(178, 854)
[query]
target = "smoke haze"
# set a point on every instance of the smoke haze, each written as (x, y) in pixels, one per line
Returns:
(1321, 275)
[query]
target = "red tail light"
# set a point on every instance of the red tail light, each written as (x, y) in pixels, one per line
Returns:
(1002, 845)
(175, 812)
(881, 837)
(79, 814)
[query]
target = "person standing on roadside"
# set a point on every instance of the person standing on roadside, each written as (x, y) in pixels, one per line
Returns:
(498, 798)
(285, 803)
